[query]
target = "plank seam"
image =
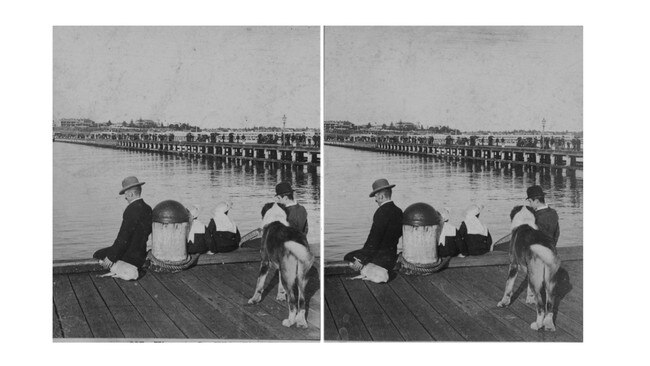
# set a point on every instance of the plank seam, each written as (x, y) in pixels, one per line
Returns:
(80, 307)
(409, 310)
(444, 318)
(58, 319)
(384, 310)
(355, 309)
(189, 310)
(163, 310)
(105, 303)
(131, 304)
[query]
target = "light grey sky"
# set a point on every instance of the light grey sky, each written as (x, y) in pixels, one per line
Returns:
(206, 76)
(470, 78)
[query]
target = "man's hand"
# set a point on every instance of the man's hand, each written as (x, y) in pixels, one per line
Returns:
(106, 263)
(356, 265)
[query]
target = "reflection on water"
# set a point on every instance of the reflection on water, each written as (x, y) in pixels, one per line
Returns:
(88, 210)
(440, 183)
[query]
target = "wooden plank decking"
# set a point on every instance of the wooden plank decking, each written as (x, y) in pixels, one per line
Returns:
(206, 302)
(456, 304)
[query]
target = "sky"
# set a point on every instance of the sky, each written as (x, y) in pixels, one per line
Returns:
(469, 78)
(206, 76)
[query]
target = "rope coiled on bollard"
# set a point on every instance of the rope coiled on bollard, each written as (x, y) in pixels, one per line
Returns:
(408, 268)
(157, 265)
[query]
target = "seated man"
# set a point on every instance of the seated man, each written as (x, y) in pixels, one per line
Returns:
(380, 247)
(129, 251)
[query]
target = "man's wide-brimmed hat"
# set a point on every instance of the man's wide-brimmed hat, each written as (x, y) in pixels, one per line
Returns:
(380, 184)
(282, 188)
(534, 192)
(130, 182)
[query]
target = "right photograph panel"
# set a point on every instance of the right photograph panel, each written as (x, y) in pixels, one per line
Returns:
(453, 184)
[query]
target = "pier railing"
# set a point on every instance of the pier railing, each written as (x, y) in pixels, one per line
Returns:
(280, 154)
(499, 155)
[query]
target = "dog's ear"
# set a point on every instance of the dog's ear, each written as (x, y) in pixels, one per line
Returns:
(514, 211)
(266, 207)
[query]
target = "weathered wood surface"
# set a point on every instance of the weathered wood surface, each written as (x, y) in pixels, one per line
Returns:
(206, 302)
(241, 255)
(456, 304)
(496, 258)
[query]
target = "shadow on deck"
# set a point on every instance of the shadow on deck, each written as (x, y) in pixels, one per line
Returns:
(207, 302)
(456, 304)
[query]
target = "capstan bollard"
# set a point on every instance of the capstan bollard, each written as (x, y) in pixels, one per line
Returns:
(421, 227)
(171, 225)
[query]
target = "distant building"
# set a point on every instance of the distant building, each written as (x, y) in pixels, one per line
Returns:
(338, 125)
(406, 126)
(145, 123)
(77, 122)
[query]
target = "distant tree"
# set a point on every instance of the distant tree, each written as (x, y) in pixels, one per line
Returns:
(124, 124)
(109, 123)
(368, 125)
(383, 126)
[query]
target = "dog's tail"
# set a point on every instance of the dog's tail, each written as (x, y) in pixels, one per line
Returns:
(300, 251)
(547, 256)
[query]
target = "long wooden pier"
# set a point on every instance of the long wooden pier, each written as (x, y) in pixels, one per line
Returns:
(278, 154)
(207, 302)
(456, 304)
(501, 156)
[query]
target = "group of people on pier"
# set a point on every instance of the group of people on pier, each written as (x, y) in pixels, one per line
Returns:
(284, 139)
(470, 239)
(546, 142)
(128, 253)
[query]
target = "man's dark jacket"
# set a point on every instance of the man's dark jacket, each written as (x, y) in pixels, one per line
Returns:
(380, 247)
(131, 243)
(547, 221)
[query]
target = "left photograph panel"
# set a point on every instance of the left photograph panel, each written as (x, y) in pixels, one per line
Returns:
(186, 183)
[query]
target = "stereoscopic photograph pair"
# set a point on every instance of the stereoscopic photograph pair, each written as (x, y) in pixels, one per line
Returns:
(188, 185)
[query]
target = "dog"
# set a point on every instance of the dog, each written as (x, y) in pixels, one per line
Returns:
(373, 273)
(122, 270)
(530, 248)
(286, 249)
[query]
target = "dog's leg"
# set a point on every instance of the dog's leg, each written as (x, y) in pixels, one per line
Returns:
(530, 295)
(549, 280)
(301, 322)
(510, 284)
(257, 296)
(535, 281)
(282, 293)
(288, 273)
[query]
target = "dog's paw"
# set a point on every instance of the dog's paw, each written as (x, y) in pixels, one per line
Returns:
(302, 324)
(287, 323)
(503, 303)
(548, 324)
(535, 326)
(255, 299)
(282, 296)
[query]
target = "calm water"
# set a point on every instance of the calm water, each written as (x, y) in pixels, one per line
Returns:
(455, 185)
(88, 210)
